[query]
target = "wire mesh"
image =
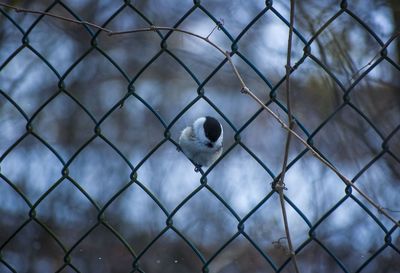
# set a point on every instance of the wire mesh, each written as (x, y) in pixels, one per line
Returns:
(95, 124)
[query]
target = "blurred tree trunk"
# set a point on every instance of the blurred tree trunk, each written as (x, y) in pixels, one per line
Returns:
(395, 6)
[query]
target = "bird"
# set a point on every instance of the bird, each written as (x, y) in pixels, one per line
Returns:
(202, 141)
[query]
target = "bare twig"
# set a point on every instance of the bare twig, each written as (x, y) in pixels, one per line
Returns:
(17, 9)
(244, 89)
(216, 27)
(280, 185)
(278, 245)
(247, 91)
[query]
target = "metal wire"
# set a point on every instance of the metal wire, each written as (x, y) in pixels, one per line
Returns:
(68, 261)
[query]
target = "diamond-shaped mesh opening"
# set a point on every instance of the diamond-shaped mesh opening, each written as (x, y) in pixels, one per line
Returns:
(366, 226)
(91, 175)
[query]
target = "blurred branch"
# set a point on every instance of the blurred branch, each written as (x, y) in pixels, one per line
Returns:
(155, 28)
(321, 48)
(384, 83)
(381, 52)
(345, 61)
(244, 89)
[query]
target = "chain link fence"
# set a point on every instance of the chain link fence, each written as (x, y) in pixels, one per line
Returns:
(61, 215)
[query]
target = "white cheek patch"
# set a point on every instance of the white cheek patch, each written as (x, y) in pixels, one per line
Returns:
(196, 145)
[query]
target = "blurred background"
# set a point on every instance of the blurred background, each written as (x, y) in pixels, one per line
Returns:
(88, 178)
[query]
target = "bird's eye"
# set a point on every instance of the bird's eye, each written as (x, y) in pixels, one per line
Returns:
(209, 145)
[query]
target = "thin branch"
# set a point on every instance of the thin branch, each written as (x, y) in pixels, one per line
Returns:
(280, 186)
(244, 89)
(218, 26)
(17, 9)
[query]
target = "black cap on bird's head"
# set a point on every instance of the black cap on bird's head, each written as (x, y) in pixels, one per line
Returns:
(212, 128)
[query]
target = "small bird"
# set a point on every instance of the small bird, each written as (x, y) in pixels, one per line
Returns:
(202, 142)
